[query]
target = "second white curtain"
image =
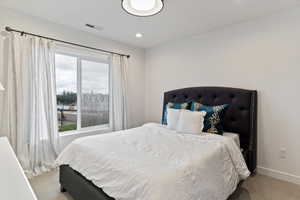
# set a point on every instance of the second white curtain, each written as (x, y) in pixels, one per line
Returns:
(119, 101)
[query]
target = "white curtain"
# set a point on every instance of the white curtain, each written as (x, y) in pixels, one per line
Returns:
(119, 102)
(28, 116)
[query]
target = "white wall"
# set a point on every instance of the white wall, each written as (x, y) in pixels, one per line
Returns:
(264, 55)
(137, 59)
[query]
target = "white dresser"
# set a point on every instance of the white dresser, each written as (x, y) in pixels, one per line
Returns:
(13, 182)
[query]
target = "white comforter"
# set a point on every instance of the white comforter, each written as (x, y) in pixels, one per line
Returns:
(154, 163)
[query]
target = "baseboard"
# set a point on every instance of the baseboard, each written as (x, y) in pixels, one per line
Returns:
(279, 175)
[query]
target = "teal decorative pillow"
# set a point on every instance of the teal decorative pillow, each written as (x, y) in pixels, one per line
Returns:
(174, 106)
(214, 118)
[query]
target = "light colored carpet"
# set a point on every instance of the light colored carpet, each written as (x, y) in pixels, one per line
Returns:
(258, 187)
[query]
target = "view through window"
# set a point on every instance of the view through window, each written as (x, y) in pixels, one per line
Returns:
(82, 92)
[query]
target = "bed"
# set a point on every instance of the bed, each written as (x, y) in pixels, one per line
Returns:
(240, 118)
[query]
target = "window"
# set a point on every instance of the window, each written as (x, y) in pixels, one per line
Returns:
(82, 91)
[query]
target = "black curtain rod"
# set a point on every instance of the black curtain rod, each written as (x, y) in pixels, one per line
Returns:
(7, 28)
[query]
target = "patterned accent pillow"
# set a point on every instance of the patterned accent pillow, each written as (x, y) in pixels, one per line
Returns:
(214, 118)
(174, 106)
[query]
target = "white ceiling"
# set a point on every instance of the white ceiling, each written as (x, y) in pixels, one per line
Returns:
(179, 18)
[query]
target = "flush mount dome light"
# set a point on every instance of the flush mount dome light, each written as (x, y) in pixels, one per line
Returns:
(143, 8)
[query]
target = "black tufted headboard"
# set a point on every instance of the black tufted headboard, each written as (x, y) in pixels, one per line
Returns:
(240, 117)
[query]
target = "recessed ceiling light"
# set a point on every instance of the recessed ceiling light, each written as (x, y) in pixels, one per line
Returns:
(143, 8)
(139, 35)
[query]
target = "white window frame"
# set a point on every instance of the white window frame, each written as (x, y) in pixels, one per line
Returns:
(94, 57)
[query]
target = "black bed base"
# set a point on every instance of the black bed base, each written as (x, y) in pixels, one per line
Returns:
(82, 189)
(78, 186)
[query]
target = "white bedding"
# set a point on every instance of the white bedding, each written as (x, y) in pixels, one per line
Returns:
(234, 136)
(154, 163)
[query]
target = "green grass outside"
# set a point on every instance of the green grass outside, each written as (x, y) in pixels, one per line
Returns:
(67, 127)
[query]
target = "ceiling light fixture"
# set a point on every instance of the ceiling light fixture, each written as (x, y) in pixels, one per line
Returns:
(139, 35)
(143, 8)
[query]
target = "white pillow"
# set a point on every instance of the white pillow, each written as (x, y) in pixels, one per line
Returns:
(191, 121)
(172, 118)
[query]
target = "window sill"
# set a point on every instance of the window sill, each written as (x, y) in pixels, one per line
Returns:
(96, 130)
